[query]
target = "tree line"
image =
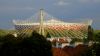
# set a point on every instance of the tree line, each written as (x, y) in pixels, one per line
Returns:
(34, 45)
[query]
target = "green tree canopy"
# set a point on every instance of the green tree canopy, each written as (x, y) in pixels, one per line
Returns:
(35, 45)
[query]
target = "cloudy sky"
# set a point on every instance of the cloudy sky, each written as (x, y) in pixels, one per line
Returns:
(65, 9)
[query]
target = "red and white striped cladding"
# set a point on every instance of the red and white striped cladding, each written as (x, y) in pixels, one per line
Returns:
(67, 27)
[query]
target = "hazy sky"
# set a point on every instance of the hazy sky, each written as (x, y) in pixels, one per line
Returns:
(66, 9)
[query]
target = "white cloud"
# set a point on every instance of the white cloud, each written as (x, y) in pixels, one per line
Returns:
(62, 3)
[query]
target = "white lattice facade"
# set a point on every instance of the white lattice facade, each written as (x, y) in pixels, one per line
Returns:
(53, 26)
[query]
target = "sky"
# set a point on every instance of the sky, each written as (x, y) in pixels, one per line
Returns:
(63, 9)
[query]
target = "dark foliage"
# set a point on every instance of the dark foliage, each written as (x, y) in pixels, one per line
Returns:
(94, 50)
(35, 45)
(90, 33)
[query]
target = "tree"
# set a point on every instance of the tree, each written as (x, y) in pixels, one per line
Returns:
(94, 50)
(97, 37)
(48, 35)
(90, 33)
(35, 45)
(2, 33)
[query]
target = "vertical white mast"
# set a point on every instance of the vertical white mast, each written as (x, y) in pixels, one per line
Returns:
(41, 30)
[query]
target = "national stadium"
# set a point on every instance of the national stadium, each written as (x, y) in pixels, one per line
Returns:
(52, 27)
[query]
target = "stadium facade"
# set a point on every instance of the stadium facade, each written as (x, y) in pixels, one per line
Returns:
(52, 27)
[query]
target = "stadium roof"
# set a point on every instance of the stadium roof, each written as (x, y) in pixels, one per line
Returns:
(35, 19)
